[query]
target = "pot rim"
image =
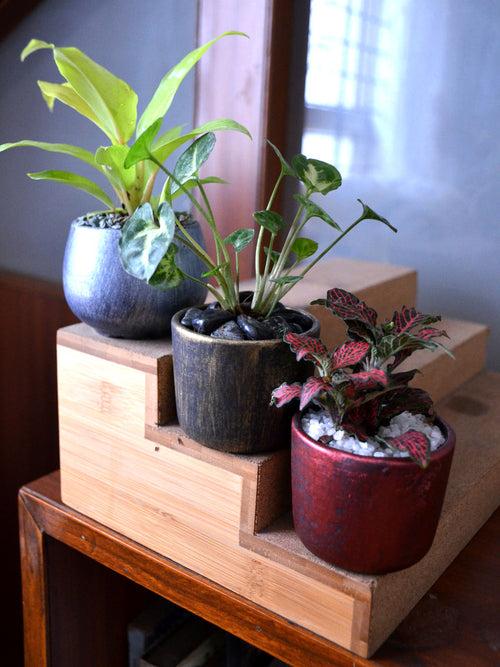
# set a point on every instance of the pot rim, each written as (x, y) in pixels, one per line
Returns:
(273, 342)
(73, 224)
(334, 453)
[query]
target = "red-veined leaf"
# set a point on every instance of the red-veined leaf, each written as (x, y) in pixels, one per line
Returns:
(305, 347)
(285, 393)
(415, 443)
(368, 379)
(431, 332)
(311, 389)
(408, 318)
(348, 307)
(348, 354)
(362, 420)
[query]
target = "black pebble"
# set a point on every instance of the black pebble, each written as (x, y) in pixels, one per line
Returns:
(229, 331)
(280, 326)
(213, 305)
(255, 330)
(189, 315)
(209, 320)
(293, 317)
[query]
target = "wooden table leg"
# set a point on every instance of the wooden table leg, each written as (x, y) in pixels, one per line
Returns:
(35, 592)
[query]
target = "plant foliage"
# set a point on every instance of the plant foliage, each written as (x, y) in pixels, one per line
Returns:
(357, 381)
(111, 104)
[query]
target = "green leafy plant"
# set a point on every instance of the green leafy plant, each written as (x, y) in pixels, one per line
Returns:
(281, 269)
(111, 104)
(357, 382)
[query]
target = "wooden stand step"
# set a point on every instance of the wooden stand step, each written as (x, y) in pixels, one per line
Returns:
(226, 516)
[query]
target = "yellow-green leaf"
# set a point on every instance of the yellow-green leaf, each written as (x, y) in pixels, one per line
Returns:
(76, 181)
(65, 149)
(168, 86)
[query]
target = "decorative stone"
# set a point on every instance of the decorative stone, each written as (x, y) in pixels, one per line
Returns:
(189, 316)
(280, 326)
(229, 331)
(253, 329)
(209, 320)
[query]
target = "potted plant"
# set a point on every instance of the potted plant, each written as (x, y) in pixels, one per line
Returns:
(370, 459)
(228, 355)
(97, 288)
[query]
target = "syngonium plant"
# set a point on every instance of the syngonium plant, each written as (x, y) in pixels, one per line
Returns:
(111, 104)
(357, 382)
(148, 246)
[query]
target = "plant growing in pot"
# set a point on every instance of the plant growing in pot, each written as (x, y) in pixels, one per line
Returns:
(97, 288)
(370, 459)
(229, 354)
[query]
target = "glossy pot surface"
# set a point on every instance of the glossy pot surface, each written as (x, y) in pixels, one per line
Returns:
(365, 514)
(102, 294)
(223, 389)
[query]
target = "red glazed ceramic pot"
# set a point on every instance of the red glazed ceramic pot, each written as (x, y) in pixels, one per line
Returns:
(365, 514)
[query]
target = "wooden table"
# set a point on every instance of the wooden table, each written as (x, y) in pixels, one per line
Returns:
(76, 608)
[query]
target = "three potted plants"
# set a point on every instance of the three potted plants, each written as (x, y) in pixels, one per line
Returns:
(370, 459)
(97, 288)
(229, 354)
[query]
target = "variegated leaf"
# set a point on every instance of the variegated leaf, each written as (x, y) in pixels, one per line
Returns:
(285, 393)
(416, 401)
(368, 379)
(408, 318)
(347, 306)
(305, 347)
(311, 389)
(348, 354)
(415, 443)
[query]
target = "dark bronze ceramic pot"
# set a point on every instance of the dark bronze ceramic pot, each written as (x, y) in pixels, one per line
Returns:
(223, 389)
(365, 514)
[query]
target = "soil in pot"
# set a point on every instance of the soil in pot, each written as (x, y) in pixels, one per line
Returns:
(224, 376)
(102, 294)
(365, 513)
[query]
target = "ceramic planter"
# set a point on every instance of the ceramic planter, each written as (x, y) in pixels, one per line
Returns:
(365, 514)
(223, 389)
(102, 294)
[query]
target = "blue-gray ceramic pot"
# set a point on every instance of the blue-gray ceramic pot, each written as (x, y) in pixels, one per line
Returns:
(102, 294)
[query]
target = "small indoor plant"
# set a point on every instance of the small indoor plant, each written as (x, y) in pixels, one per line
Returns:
(97, 288)
(370, 459)
(229, 355)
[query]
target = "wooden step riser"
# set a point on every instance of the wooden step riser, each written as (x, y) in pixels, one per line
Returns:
(205, 509)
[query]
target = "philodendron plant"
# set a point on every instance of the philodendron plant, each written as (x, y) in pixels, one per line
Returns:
(148, 245)
(111, 104)
(357, 382)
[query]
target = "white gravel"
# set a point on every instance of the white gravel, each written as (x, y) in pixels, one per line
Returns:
(318, 424)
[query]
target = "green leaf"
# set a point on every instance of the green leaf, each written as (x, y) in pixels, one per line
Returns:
(65, 149)
(270, 220)
(112, 100)
(168, 86)
(34, 45)
(192, 159)
(369, 214)
(285, 167)
(286, 280)
(274, 254)
(189, 185)
(143, 146)
(317, 176)
(240, 238)
(144, 242)
(76, 181)
(216, 270)
(65, 94)
(303, 248)
(167, 274)
(164, 146)
(112, 159)
(314, 211)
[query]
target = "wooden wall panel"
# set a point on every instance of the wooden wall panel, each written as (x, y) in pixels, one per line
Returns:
(31, 311)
